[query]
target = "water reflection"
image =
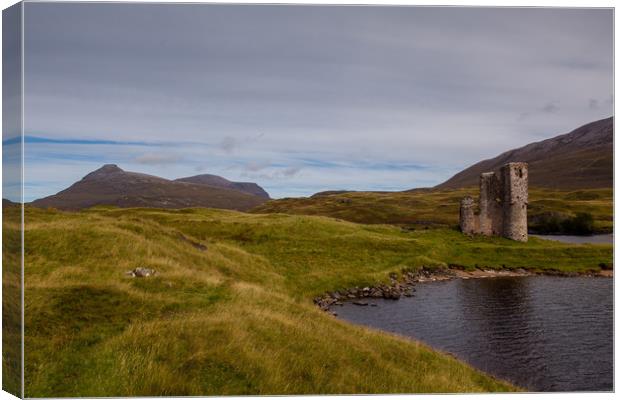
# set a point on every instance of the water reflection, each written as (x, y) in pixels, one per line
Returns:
(607, 238)
(542, 333)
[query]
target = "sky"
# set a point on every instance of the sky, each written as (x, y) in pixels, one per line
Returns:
(303, 98)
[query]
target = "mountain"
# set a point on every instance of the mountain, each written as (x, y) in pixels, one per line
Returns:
(218, 181)
(9, 203)
(580, 159)
(110, 185)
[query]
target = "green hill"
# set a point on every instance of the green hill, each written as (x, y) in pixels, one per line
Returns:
(439, 208)
(230, 309)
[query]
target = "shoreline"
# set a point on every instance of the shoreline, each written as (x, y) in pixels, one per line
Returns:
(405, 286)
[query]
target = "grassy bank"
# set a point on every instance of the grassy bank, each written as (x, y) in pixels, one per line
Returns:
(439, 208)
(230, 310)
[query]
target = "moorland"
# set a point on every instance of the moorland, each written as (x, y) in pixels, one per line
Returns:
(230, 311)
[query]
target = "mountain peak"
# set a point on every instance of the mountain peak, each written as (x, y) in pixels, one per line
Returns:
(104, 171)
(110, 168)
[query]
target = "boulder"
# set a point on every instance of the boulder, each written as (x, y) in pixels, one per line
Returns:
(140, 272)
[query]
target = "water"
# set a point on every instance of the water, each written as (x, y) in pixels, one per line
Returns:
(541, 333)
(596, 239)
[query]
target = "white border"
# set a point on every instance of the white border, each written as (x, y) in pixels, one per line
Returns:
(478, 3)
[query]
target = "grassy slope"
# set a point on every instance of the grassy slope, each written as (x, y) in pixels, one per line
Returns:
(11, 302)
(237, 318)
(438, 207)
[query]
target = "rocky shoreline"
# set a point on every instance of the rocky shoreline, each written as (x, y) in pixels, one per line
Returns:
(405, 285)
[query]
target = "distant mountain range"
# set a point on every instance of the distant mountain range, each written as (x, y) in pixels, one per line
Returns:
(580, 159)
(218, 181)
(110, 185)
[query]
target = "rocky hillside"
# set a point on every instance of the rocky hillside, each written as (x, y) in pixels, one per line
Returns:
(110, 185)
(218, 181)
(580, 159)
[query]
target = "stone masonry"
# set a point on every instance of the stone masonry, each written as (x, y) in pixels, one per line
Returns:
(502, 204)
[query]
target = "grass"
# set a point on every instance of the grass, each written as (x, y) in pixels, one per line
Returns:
(230, 310)
(11, 302)
(439, 208)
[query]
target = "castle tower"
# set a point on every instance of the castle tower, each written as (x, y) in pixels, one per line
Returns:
(491, 214)
(467, 219)
(515, 199)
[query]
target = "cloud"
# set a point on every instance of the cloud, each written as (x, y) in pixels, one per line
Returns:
(593, 104)
(439, 87)
(229, 144)
(38, 139)
(274, 173)
(158, 159)
(291, 171)
(254, 166)
(548, 108)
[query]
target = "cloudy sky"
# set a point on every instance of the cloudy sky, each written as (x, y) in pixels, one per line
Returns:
(303, 98)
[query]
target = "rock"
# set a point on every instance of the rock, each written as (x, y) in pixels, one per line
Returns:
(360, 303)
(373, 305)
(391, 294)
(140, 272)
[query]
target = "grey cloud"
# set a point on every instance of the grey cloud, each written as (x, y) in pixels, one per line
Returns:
(291, 171)
(274, 174)
(350, 83)
(229, 144)
(158, 158)
(254, 166)
(549, 108)
(593, 104)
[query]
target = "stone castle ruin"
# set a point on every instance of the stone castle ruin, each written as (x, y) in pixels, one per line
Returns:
(502, 204)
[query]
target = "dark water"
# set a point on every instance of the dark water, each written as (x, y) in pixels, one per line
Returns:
(594, 239)
(541, 333)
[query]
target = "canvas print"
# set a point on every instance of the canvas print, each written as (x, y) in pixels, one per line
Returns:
(232, 199)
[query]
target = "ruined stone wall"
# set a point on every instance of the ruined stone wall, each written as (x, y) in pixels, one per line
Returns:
(490, 203)
(515, 201)
(467, 218)
(502, 202)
